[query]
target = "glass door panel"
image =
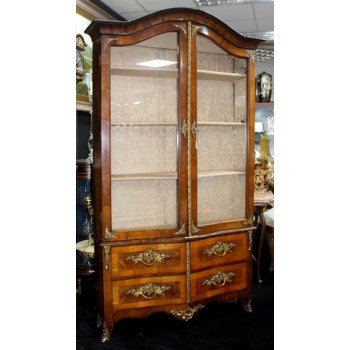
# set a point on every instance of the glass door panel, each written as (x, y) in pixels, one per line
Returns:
(221, 139)
(144, 134)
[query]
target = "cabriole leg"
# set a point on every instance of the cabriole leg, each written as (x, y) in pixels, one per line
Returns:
(106, 333)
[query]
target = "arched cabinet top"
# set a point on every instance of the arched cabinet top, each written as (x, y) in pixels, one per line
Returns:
(101, 27)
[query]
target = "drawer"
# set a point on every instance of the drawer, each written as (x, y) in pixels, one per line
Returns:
(219, 251)
(146, 292)
(140, 260)
(225, 279)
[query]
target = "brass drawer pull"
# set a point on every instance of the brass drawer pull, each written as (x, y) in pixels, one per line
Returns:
(220, 249)
(148, 257)
(149, 290)
(219, 279)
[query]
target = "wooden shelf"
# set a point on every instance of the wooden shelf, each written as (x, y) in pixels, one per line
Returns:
(145, 124)
(176, 124)
(172, 176)
(219, 76)
(145, 176)
(220, 124)
(174, 73)
(146, 72)
(210, 173)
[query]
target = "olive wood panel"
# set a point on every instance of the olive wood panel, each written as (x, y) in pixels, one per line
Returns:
(154, 259)
(123, 298)
(238, 282)
(219, 251)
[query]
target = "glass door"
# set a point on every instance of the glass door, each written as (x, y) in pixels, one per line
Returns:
(144, 135)
(221, 138)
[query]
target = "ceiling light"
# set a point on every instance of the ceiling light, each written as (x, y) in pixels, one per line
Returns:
(156, 63)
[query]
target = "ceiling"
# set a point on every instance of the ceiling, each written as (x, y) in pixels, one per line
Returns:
(249, 17)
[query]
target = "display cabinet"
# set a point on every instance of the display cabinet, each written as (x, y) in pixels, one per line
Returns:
(173, 170)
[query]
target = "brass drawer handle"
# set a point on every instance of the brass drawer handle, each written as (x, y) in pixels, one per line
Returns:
(220, 249)
(148, 257)
(148, 291)
(219, 279)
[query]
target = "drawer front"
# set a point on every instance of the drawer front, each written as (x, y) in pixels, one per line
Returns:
(131, 261)
(219, 251)
(145, 292)
(217, 281)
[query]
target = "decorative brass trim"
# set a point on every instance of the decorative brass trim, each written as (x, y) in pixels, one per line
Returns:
(219, 279)
(107, 249)
(148, 291)
(106, 333)
(188, 272)
(148, 257)
(109, 234)
(182, 27)
(220, 249)
(195, 229)
(182, 230)
(107, 42)
(184, 129)
(186, 314)
(250, 220)
(194, 128)
(189, 139)
(195, 28)
(250, 240)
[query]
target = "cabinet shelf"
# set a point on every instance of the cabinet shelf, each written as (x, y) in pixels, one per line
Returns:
(144, 176)
(219, 76)
(174, 73)
(221, 124)
(172, 176)
(175, 124)
(145, 124)
(210, 173)
(146, 72)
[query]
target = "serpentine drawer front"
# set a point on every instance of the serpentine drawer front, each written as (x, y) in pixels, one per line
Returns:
(219, 250)
(217, 281)
(152, 291)
(155, 259)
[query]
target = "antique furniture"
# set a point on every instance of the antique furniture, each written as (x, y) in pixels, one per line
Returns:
(173, 167)
(264, 87)
(84, 224)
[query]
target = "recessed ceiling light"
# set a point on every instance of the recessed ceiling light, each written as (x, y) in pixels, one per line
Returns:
(156, 63)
